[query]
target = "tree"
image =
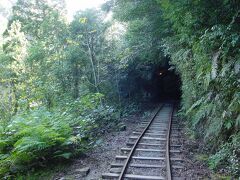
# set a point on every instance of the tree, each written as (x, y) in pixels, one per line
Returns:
(88, 32)
(15, 47)
(201, 38)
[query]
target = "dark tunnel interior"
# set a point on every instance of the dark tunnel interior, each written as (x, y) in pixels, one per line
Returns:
(166, 84)
(161, 83)
(154, 83)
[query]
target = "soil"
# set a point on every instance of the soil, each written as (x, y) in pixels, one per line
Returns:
(194, 169)
(100, 159)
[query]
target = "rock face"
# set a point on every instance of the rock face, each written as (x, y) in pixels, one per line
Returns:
(83, 172)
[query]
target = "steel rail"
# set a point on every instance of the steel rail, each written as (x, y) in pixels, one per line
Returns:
(169, 173)
(121, 176)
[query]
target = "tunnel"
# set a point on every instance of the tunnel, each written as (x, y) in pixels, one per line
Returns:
(151, 82)
(166, 84)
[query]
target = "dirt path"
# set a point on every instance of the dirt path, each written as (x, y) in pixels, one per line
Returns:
(99, 159)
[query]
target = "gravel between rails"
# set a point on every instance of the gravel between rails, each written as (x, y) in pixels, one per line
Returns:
(161, 118)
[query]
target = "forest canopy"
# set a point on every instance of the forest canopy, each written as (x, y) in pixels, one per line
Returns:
(63, 83)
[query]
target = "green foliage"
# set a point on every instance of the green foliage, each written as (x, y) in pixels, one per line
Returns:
(57, 78)
(38, 136)
(204, 49)
(228, 155)
(202, 39)
(53, 73)
(143, 31)
(33, 137)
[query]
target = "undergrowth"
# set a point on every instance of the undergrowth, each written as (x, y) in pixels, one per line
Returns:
(34, 138)
(205, 50)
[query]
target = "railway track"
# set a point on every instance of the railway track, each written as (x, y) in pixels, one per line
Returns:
(153, 151)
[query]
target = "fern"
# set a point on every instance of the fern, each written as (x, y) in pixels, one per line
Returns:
(196, 104)
(66, 155)
(203, 111)
(237, 124)
(227, 154)
(214, 128)
(39, 135)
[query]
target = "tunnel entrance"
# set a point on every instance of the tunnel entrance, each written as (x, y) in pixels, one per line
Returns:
(151, 82)
(161, 83)
(166, 84)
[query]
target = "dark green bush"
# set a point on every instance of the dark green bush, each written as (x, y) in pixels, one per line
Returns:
(38, 136)
(228, 155)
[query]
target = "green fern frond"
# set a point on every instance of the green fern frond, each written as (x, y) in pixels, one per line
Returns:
(66, 155)
(202, 112)
(214, 128)
(195, 105)
(237, 124)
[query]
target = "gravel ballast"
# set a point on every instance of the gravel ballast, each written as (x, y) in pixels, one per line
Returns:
(100, 159)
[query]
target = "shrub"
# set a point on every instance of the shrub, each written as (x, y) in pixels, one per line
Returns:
(228, 155)
(35, 137)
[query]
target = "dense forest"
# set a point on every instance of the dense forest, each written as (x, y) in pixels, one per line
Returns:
(63, 84)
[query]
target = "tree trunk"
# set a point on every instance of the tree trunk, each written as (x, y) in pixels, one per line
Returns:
(76, 81)
(14, 90)
(92, 60)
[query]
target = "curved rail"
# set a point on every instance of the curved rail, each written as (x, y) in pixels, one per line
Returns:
(169, 173)
(135, 145)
